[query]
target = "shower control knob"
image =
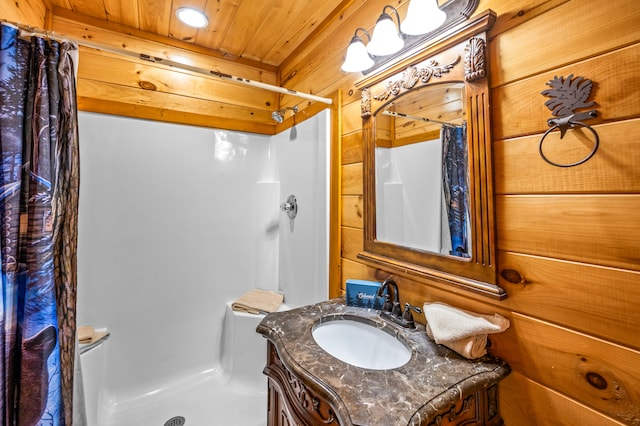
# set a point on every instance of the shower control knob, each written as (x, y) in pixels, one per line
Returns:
(290, 206)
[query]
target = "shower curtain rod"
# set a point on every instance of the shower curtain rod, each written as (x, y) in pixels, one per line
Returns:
(168, 62)
(413, 117)
(223, 76)
(29, 31)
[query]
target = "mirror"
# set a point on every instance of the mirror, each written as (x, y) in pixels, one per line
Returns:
(421, 171)
(428, 177)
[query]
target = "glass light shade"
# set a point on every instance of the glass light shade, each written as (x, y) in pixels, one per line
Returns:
(385, 39)
(423, 16)
(357, 58)
(191, 17)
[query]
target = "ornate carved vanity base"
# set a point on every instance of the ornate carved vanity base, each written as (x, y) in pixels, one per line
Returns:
(291, 403)
(307, 386)
(480, 408)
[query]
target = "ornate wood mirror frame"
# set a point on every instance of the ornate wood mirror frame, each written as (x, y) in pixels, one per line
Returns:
(458, 55)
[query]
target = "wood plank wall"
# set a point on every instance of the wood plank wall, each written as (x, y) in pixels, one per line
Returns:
(572, 233)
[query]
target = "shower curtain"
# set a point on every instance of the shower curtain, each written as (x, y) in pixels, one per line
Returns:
(38, 212)
(455, 185)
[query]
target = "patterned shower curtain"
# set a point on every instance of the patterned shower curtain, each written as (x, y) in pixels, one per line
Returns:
(456, 186)
(38, 214)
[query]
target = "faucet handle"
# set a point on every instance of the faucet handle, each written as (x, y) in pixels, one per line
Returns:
(397, 310)
(408, 316)
(387, 306)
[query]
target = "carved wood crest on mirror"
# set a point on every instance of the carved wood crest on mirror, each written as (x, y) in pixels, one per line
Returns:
(428, 169)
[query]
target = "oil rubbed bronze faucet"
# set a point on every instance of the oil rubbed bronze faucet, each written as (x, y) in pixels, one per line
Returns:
(391, 309)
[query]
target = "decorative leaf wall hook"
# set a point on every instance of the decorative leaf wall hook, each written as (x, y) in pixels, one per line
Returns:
(567, 95)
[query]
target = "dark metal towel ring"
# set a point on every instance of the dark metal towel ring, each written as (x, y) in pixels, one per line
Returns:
(567, 95)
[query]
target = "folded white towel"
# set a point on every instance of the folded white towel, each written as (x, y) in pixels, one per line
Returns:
(469, 347)
(462, 331)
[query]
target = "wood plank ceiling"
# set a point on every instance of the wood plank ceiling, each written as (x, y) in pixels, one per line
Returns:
(266, 31)
(248, 38)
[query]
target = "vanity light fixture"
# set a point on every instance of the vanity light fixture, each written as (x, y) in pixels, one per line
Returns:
(192, 17)
(422, 17)
(386, 39)
(357, 58)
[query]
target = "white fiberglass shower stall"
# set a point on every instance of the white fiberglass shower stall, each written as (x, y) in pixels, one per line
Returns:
(175, 222)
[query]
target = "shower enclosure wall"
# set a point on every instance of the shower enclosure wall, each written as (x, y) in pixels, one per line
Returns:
(176, 221)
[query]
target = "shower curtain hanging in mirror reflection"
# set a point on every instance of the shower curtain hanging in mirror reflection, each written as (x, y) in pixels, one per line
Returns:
(456, 187)
(38, 213)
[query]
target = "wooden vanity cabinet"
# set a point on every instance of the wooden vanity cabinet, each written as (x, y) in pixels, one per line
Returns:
(292, 403)
(479, 408)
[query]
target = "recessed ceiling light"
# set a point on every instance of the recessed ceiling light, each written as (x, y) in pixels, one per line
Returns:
(192, 17)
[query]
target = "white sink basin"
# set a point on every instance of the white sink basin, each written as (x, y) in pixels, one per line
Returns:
(361, 345)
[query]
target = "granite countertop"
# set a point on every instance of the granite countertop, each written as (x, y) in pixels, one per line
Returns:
(433, 379)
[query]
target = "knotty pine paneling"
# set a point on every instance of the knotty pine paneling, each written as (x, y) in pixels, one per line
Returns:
(28, 12)
(352, 148)
(595, 372)
(351, 269)
(128, 95)
(120, 37)
(512, 13)
(524, 402)
(248, 16)
(325, 32)
(351, 120)
(124, 12)
(352, 179)
(188, 95)
(614, 168)
(518, 108)
(222, 11)
(352, 211)
(566, 34)
(92, 104)
(134, 74)
(97, 9)
(570, 317)
(592, 299)
(599, 229)
(266, 31)
(352, 243)
(590, 371)
(277, 44)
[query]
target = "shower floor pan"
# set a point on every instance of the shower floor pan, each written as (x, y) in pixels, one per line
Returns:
(212, 400)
